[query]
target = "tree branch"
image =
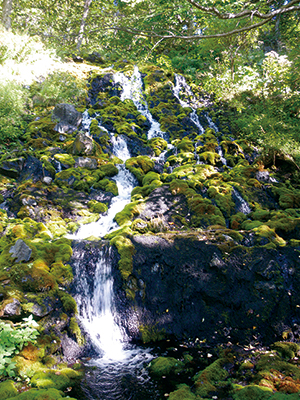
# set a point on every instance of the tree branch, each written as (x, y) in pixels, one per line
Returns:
(246, 13)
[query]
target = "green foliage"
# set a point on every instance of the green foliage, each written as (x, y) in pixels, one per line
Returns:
(12, 111)
(12, 340)
(58, 87)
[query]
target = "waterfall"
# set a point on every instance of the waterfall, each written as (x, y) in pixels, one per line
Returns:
(181, 85)
(96, 307)
(240, 204)
(133, 90)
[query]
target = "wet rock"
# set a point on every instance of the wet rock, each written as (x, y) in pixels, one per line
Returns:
(47, 180)
(83, 144)
(12, 309)
(189, 289)
(68, 118)
(71, 350)
(85, 162)
(12, 168)
(33, 169)
(20, 251)
(262, 176)
(41, 310)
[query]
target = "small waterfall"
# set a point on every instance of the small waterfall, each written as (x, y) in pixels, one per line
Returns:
(125, 182)
(240, 204)
(133, 90)
(181, 85)
(96, 307)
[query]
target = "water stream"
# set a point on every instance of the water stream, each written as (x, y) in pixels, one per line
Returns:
(115, 358)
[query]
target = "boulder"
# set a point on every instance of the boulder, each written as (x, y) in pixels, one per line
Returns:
(85, 162)
(83, 144)
(12, 168)
(20, 251)
(11, 309)
(68, 118)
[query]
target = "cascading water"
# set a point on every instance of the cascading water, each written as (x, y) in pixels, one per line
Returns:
(133, 90)
(181, 85)
(117, 359)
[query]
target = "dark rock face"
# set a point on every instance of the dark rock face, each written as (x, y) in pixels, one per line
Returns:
(12, 168)
(69, 118)
(190, 289)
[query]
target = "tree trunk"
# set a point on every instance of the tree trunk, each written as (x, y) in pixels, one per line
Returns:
(7, 6)
(86, 9)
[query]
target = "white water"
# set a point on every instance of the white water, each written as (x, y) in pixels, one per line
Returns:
(97, 310)
(241, 204)
(96, 307)
(133, 90)
(182, 86)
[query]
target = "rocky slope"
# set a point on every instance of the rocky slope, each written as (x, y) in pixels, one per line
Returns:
(209, 246)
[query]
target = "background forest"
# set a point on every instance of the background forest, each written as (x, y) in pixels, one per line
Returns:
(241, 61)
(254, 72)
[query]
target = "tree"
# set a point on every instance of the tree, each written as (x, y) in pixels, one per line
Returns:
(7, 6)
(87, 4)
(249, 15)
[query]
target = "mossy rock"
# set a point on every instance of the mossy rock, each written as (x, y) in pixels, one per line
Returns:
(164, 366)
(59, 379)
(158, 145)
(253, 392)
(183, 392)
(139, 166)
(107, 185)
(210, 378)
(44, 394)
(126, 251)
(97, 206)
(287, 350)
(66, 159)
(209, 157)
(7, 390)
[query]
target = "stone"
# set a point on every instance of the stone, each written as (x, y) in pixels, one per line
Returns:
(12, 168)
(20, 251)
(47, 180)
(85, 162)
(11, 309)
(68, 118)
(262, 176)
(83, 144)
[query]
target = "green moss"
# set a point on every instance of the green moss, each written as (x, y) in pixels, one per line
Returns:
(287, 350)
(126, 250)
(65, 159)
(139, 225)
(109, 169)
(164, 366)
(186, 145)
(158, 145)
(266, 232)
(150, 177)
(44, 394)
(210, 378)
(253, 392)
(107, 185)
(74, 328)
(139, 166)
(7, 390)
(209, 157)
(68, 302)
(60, 379)
(97, 207)
(183, 392)
(62, 273)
